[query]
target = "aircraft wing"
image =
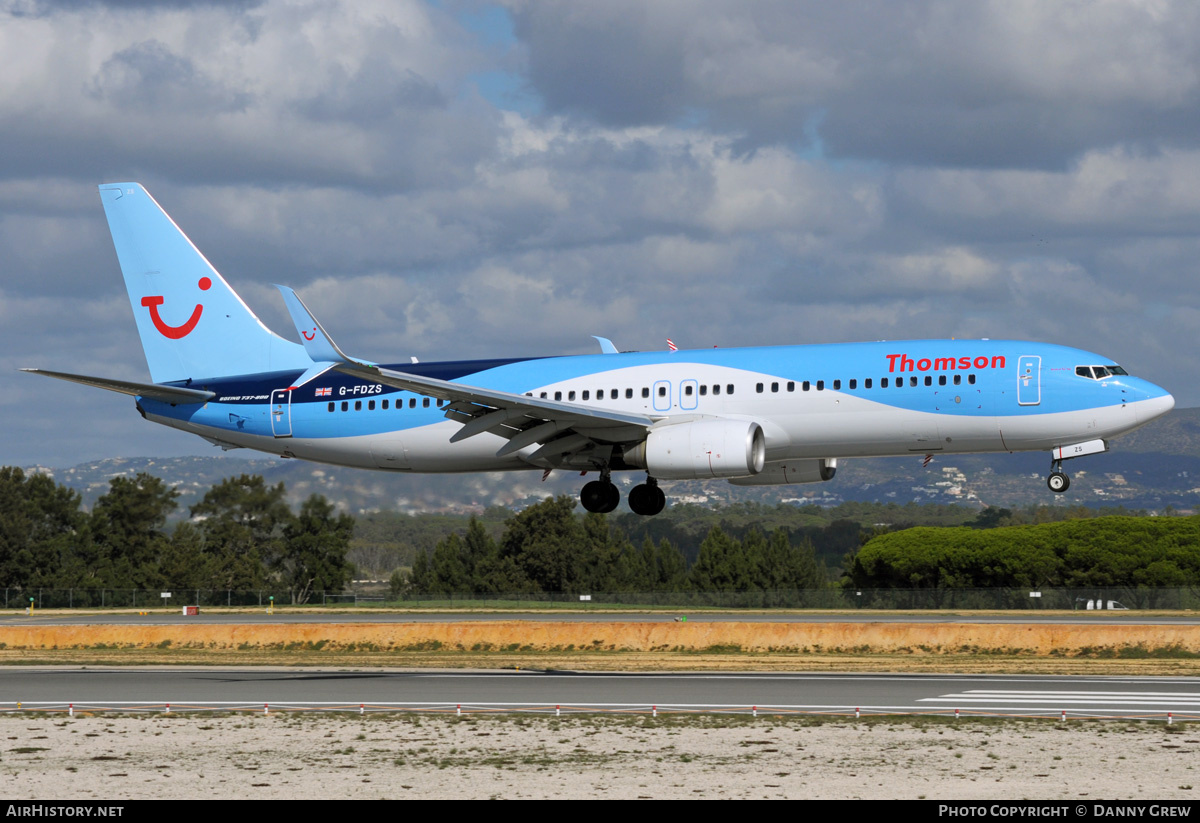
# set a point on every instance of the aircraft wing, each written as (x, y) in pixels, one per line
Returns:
(176, 395)
(567, 433)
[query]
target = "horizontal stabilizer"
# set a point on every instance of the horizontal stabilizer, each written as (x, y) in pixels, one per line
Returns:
(167, 394)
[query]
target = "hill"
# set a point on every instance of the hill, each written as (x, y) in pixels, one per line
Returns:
(1152, 468)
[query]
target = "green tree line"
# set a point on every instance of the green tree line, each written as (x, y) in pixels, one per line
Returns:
(242, 535)
(1133, 552)
(384, 541)
(548, 548)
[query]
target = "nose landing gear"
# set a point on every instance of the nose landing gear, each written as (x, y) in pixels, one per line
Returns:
(647, 498)
(1058, 480)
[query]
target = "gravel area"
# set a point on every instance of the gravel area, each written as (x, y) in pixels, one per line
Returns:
(297, 756)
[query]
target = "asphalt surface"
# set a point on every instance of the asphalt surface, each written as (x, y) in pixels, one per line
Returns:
(56, 688)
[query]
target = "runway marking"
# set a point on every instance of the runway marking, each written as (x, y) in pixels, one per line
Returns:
(1193, 694)
(1069, 698)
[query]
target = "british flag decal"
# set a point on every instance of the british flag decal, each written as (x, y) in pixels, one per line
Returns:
(324, 392)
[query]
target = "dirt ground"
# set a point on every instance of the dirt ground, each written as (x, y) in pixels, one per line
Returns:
(295, 756)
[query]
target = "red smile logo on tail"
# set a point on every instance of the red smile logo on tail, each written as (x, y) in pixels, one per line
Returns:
(175, 332)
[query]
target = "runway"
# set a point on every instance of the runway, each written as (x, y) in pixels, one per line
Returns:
(57, 688)
(259, 617)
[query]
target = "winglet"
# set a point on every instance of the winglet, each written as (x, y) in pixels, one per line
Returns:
(316, 340)
(606, 345)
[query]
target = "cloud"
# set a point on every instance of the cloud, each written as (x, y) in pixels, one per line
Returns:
(721, 173)
(933, 82)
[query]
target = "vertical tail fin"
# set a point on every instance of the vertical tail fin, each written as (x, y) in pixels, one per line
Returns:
(192, 324)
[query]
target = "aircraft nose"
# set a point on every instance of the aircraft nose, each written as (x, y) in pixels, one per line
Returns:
(1156, 405)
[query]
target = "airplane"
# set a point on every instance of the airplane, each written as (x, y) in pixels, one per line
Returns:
(776, 415)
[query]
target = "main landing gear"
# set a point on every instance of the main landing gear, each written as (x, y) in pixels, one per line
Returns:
(647, 498)
(1058, 480)
(601, 496)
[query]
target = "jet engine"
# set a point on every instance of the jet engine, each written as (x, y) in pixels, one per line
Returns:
(783, 472)
(700, 450)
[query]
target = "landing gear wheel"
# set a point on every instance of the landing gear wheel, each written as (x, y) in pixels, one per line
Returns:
(1058, 482)
(599, 497)
(646, 499)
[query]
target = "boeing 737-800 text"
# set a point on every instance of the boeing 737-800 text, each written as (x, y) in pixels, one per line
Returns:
(757, 416)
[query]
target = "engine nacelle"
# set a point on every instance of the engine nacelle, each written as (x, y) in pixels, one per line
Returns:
(782, 472)
(700, 450)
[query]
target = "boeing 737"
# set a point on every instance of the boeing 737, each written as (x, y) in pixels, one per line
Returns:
(757, 416)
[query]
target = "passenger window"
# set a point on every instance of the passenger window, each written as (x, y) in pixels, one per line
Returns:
(805, 386)
(440, 402)
(837, 384)
(628, 393)
(662, 391)
(820, 385)
(345, 406)
(941, 379)
(370, 405)
(586, 395)
(791, 386)
(758, 387)
(912, 381)
(542, 395)
(687, 390)
(971, 379)
(558, 395)
(614, 394)
(703, 390)
(716, 389)
(775, 387)
(883, 382)
(958, 379)
(358, 405)
(854, 382)
(571, 395)
(729, 388)
(645, 392)
(867, 383)
(600, 394)
(385, 405)
(332, 405)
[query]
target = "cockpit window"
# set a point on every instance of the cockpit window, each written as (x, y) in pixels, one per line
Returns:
(1099, 372)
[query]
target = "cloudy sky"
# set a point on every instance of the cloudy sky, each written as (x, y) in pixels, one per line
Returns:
(459, 179)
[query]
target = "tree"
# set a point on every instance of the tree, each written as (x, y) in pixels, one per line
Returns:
(128, 530)
(242, 520)
(545, 542)
(313, 555)
(183, 563)
(665, 565)
(41, 528)
(722, 565)
(788, 568)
